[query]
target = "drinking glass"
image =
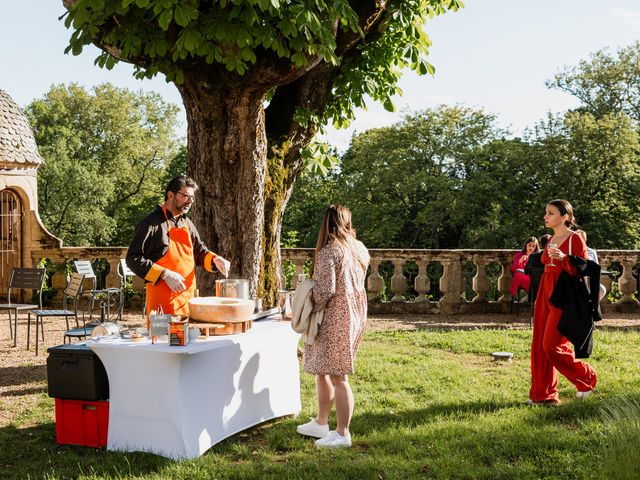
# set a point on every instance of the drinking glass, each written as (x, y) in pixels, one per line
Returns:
(551, 247)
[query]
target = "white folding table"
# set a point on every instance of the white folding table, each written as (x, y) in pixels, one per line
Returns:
(179, 401)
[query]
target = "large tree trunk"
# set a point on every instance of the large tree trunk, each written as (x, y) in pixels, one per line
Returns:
(278, 188)
(227, 158)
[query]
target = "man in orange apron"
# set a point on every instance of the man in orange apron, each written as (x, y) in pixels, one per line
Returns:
(166, 248)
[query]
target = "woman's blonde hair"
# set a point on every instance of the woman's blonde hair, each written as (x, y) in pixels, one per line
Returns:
(336, 228)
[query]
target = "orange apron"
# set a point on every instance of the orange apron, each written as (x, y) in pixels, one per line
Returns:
(179, 258)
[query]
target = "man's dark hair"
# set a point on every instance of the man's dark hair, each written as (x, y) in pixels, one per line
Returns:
(177, 183)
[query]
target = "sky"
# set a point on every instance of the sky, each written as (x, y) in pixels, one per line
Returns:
(493, 54)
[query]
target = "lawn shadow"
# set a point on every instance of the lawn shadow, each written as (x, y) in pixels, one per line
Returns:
(32, 453)
(18, 392)
(380, 421)
(14, 376)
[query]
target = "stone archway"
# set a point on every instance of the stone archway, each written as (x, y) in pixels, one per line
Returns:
(21, 231)
(11, 216)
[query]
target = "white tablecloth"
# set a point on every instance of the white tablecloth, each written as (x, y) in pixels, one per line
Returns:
(179, 401)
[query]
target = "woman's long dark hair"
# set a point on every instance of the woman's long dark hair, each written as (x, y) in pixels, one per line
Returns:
(528, 241)
(336, 228)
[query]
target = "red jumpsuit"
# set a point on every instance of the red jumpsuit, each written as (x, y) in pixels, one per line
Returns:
(520, 279)
(551, 352)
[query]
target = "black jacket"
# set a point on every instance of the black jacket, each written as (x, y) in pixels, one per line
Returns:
(580, 306)
(534, 268)
(535, 261)
(151, 241)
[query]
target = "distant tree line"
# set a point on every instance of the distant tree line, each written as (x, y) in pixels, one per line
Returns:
(448, 177)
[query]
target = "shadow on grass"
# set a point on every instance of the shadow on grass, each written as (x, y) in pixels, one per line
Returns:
(18, 392)
(568, 412)
(13, 376)
(32, 453)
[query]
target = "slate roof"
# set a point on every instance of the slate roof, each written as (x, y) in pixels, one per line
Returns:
(17, 144)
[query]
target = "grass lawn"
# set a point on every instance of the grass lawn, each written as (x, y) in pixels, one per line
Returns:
(429, 404)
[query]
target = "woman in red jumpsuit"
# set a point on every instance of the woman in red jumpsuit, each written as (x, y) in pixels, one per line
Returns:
(551, 352)
(520, 279)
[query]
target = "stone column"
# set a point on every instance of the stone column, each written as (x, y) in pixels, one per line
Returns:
(481, 281)
(606, 281)
(421, 283)
(299, 263)
(398, 281)
(451, 286)
(113, 279)
(59, 277)
(138, 284)
(627, 282)
(504, 282)
(375, 281)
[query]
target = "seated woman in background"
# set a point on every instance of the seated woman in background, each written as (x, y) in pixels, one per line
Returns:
(520, 279)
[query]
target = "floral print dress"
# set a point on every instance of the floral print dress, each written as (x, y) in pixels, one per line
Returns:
(340, 291)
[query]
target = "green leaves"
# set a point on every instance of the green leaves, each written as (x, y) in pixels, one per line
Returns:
(157, 35)
(184, 13)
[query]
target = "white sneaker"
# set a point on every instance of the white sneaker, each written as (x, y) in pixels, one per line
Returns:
(334, 440)
(313, 429)
(584, 395)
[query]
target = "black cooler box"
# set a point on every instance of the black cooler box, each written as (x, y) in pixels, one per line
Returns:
(75, 372)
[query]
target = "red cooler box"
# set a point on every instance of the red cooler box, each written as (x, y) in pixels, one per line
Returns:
(82, 422)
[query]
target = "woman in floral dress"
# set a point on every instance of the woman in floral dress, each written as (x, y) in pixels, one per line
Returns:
(340, 267)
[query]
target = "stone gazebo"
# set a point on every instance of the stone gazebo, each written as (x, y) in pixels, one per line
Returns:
(21, 230)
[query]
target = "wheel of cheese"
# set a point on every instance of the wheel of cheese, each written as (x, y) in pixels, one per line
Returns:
(220, 309)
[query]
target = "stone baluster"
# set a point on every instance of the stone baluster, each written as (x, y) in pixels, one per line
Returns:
(627, 282)
(59, 276)
(398, 281)
(421, 283)
(606, 281)
(138, 284)
(481, 281)
(59, 280)
(375, 282)
(113, 279)
(504, 282)
(451, 286)
(299, 263)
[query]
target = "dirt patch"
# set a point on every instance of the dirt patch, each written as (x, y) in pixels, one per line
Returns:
(23, 375)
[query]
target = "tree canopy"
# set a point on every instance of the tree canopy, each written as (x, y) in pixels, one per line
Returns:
(449, 178)
(605, 83)
(258, 79)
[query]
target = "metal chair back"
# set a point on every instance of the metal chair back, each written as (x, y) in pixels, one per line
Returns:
(27, 278)
(73, 292)
(85, 268)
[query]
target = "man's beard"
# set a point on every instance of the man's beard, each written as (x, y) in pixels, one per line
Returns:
(183, 208)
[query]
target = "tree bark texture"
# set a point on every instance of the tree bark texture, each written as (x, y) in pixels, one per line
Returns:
(227, 158)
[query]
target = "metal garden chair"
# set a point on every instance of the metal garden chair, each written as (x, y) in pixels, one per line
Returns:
(70, 304)
(107, 298)
(23, 279)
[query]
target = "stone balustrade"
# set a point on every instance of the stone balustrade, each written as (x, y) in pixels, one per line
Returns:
(407, 281)
(63, 258)
(464, 281)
